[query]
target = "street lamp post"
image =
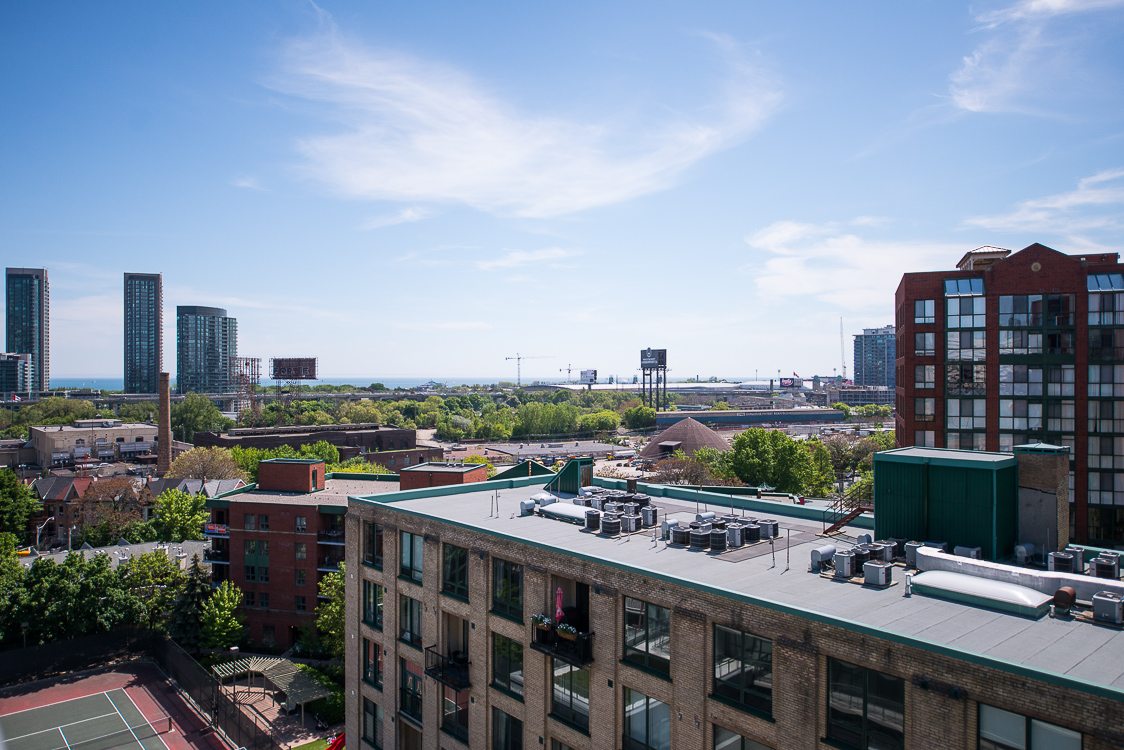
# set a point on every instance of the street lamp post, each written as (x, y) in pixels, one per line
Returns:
(39, 529)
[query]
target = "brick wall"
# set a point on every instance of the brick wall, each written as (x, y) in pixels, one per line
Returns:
(287, 476)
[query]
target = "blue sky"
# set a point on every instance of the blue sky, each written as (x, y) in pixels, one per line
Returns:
(421, 189)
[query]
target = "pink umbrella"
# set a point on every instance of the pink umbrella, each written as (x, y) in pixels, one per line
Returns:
(558, 613)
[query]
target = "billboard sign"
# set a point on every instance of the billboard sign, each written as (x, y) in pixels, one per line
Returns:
(791, 383)
(292, 368)
(588, 377)
(653, 358)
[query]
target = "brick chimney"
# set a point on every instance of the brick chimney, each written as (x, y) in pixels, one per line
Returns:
(164, 439)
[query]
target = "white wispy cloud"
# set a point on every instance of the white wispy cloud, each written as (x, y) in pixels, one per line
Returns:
(1025, 64)
(802, 263)
(404, 216)
(519, 258)
(413, 130)
(442, 325)
(247, 182)
(1092, 208)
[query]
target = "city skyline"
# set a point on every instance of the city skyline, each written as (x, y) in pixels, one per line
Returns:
(427, 193)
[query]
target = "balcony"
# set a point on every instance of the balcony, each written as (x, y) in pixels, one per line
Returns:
(329, 563)
(448, 670)
(576, 650)
(216, 556)
(216, 530)
(331, 536)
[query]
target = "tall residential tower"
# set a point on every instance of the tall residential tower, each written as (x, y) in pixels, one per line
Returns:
(875, 355)
(206, 340)
(144, 331)
(1014, 348)
(29, 321)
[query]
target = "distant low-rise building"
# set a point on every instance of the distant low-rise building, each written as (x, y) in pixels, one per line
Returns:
(92, 440)
(441, 474)
(15, 376)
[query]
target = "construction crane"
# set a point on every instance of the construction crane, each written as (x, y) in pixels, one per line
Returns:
(569, 368)
(519, 365)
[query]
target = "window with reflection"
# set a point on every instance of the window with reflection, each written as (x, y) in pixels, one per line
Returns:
(647, 722)
(1006, 730)
(865, 708)
(743, 669)
(570, 695)
(647, 635)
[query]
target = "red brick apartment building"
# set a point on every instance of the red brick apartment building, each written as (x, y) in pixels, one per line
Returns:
(1011, 348)
(437, 474)
(277, 539)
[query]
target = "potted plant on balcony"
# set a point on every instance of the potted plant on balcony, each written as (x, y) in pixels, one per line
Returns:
(566, 631)
(542, 621)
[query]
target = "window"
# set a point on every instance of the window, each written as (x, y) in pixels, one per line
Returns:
(372, 545)
(647, 722)
(864, 708)
(1106, 381)
(371, 663)
(1004, 730)
(1106, 309)
(1060, 416)
(1059, 380)
(410, 548)
(409, 621)
(1106, 416)
(925, 344)
(372, 604)
(249, 599)
(743, 669)
(966, 414)
(724, 739)
(507, 664)
(255, 551)
(507, 731)
(269, 635)
(924, 409)
(250, 522)
(966, 346)
(454, 571)
(925, 438)
(302, 524)
(556, 745)
(965, 312)
(411, 677)
(1020, 380)
(647, 635)
(925, 376)
(507, 589)
(300, 603)
(454, 712)
(924, 311)
(250, 573)
(1018, 414)
(298, 576)
(966, 380)
(263, 599)
(372, 724)
(1019, 342)
(963, 287)
(1106, 281)
(263, 522)
(300, 550)
(967, 441)
(570, 699)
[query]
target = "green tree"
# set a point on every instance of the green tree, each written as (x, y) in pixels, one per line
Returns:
(156, 581)
(599, 421)
(330, 611)
(821, 475)
(206, 463)
(639, 417)
(357, 465)
(17, 504)
(186, 623)
(11, 588)
(180, 516)
(220, 625)
(481, 460)
(197, 413)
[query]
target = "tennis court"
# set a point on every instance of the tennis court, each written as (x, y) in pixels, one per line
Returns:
(102, 721)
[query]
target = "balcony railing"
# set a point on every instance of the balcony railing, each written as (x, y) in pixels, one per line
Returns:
(332, 536)
(576, 650)
(220, 530)
(329, 564)
(216, 556)
(448, 670)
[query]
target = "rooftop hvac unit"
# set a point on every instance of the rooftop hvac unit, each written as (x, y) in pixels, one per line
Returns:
(707, 517)
(699, 539)
(649, 515)
(630, 523)
(864, 539)
(911, 553)
(610, 526)
(680, 535)
(862, 554)
(1060, 562)
(1078, 557)
(976, 553)
(844, 564)
(642, 500)
(822, 556)
(597, 502)
(593, 519)
(730, 518)
(751, 533)
(899, 547)
(942, 546)
(611, 507)
(1105, 566)
(526, 507)
(631, 509)
(544, 498)
(707, 527)
(882, 551)
(718, 539)
(877, 573)
(1024, 553)
(772, 527)
(734, 535)
(1108, 607)
(665, 528)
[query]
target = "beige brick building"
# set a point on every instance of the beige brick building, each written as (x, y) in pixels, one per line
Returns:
(91, 440)
(686, 649)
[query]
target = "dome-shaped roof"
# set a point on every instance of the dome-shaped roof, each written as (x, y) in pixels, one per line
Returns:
(687, 435)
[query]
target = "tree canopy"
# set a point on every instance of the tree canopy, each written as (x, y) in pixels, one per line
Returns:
(221, 626)
(196, 413)
(17, 504)
(179, 515)
(330, 611)
(206, 463)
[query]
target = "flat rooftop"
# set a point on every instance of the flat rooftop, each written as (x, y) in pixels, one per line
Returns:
(564, 449)
(1077, 654)
(120, 553)
(444, 467)
(108, 424)
(336, 492)
(947, 454)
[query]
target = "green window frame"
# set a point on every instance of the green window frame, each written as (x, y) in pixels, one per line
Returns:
(507, 731)
(507, 665)
(373, 596)
(410, 679)
(411, 549)
(370, 656)
(647, 722)
(409, 621)
(372, 545)
(507, 589)
(372, 724)
(743, 669)
(1007, 730)
(864, 707)
(569, 698)
(647, 635)
(454, 571)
